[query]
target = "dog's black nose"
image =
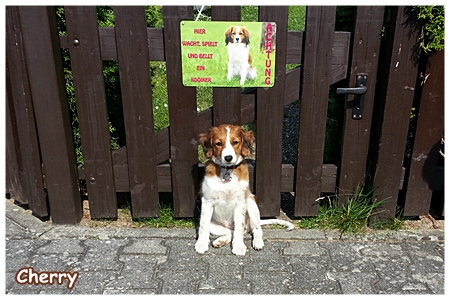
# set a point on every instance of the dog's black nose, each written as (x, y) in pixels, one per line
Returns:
(237, 39)
(228, 158)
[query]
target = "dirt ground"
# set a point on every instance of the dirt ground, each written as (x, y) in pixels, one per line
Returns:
(124, 221)
(424, 222)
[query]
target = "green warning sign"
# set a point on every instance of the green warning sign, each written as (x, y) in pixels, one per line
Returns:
(228, 54)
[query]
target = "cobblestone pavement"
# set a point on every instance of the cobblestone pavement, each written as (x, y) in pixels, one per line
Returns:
(163, 261)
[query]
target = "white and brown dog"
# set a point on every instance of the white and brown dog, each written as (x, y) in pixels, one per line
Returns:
(237, 39)
(228, 206)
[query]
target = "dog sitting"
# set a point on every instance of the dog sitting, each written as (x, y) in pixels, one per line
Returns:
(237, 39)
(228, 207)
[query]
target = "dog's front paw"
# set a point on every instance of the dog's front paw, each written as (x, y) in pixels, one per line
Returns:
(258, 244)
(239, 249)
(201, 246)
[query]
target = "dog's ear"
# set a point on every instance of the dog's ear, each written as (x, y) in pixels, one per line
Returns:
(227, 35)
(204, 140)
(246, 36)
(247, 145)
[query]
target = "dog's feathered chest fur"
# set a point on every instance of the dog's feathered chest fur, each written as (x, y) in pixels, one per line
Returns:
(224, 195)
(238, 53)
(214, 183)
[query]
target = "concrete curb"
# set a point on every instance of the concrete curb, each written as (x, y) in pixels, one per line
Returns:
(33, 227)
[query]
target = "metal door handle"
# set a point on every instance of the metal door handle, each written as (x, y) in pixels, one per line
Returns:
(359, 90)
(356, 90)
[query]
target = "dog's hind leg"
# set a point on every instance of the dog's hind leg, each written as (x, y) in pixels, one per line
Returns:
(224, 232)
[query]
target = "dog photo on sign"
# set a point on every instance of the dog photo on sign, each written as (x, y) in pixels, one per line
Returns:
(237, 40)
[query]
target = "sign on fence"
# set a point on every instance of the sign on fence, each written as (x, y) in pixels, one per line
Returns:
(228, 54)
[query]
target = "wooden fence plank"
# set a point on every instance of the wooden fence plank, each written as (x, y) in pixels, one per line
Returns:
(47, 84)
(313, 112)
(292, 85)
(89, 86)
(108, 45)
(28, 150)
(15, 185)
(430, 126)
(396, 116)
(340, 58)
(135, 81)
(294, 47)
(226, 101)
(182, 117)
(269, 119)
(247, 108)
(155, 40)
(366, 45)
(162, 145)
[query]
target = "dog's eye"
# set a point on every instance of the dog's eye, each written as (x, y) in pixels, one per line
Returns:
(219, 144)
(234, 143)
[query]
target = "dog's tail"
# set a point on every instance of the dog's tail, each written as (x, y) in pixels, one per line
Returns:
(289, 226)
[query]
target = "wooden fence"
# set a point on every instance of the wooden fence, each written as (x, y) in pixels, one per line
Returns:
(40, 158)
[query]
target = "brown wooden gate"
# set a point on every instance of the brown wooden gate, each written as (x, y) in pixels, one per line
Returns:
(41, 169)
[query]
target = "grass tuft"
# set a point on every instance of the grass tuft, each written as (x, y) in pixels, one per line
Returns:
(349, 214)
(166, 217)
(165, 220)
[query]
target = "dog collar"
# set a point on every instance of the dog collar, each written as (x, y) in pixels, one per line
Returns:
(231, 167)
